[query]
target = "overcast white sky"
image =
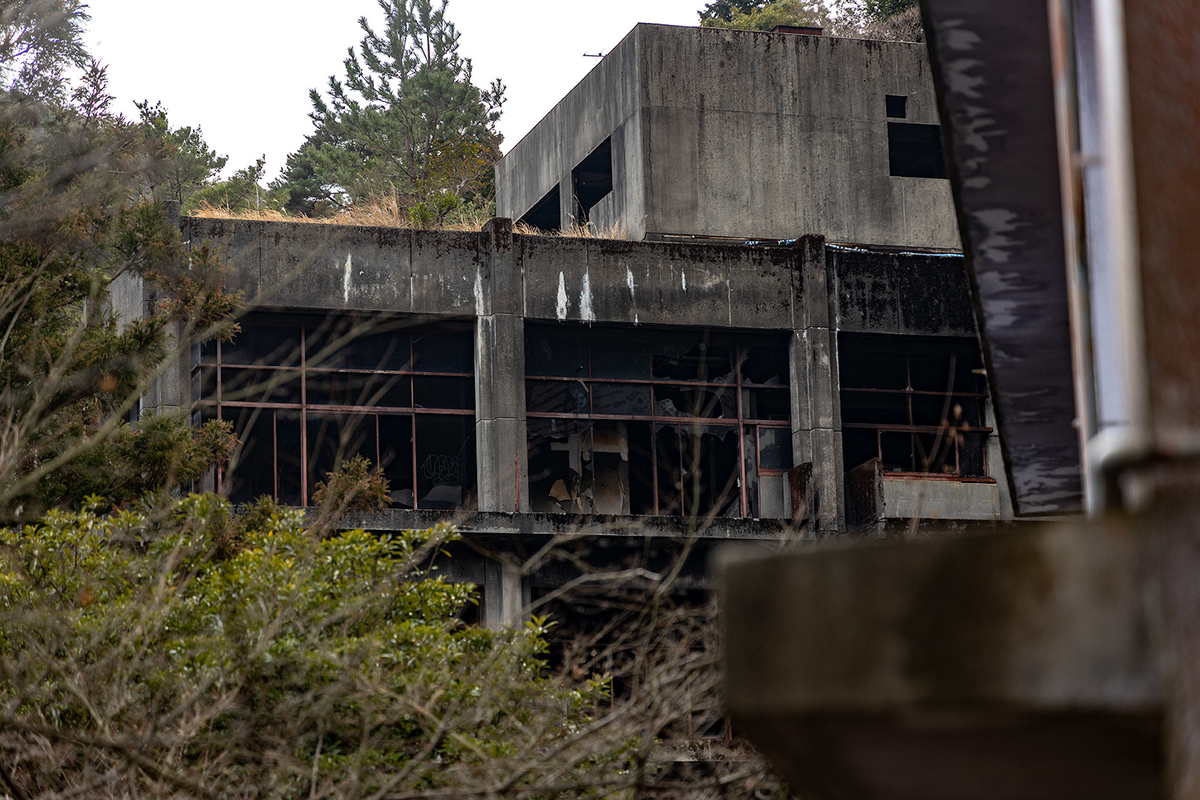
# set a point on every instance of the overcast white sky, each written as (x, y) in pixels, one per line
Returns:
(241, 69)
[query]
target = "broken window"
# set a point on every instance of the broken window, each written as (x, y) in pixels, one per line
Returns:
(917, 404)
(546, 214)
(690, 424)
(592, 180)
(915, 151)
(305, 394)
(896, 105)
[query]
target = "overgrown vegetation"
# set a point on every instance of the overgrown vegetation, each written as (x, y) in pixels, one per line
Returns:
(152, 643)
(71, 228)
(137, 663)
(898, 20)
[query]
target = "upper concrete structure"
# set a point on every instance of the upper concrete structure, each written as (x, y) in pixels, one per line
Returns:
(718, 133)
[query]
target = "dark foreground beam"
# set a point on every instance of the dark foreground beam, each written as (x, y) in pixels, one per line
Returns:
(1009, 665)
(992, 69)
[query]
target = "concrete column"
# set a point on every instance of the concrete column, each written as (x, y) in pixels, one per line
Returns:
(566, 197)
(505, 595)
(172, 392)
(816, 406)
(502, 452)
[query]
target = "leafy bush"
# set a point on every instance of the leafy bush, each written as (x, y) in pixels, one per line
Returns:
(134, 662)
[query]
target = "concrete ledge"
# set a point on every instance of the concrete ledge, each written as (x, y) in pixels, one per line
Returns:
(863, 668)
(504, 523)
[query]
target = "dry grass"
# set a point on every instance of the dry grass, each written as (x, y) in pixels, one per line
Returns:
(385, 213)
(388, 213)
(614, 231)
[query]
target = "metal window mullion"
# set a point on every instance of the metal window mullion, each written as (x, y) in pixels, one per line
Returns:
(412, 426)
(654, 459)
(741, 430)
(682, 483)
(303, 418)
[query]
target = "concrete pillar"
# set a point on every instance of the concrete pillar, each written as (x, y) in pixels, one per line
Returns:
(172, 392)
(502, 452)
(566, 198)
(505, 595)
(816, 406)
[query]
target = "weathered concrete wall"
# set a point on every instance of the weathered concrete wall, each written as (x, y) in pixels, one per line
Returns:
(606, 102)
(743, 134)
(773, 135)
(605, 281)
(908, 498)
(450, 275)
(500, 280)
(347, 268)
(914, 294)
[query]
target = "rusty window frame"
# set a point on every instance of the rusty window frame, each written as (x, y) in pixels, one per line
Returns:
(742, 424)
(211, 358)
(950, 437)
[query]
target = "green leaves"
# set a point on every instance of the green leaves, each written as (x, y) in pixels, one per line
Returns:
(39, 41)
(70, 368)
(406, 120)
(185, 162)
(343, 651)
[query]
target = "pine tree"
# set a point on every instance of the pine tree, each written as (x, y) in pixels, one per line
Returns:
(39, 41)
(405, 120)
(185, 162)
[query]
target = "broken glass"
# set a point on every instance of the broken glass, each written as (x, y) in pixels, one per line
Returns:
(690, 401)
(557, 397)
(766, 404)
(765, 366)
(775, 448)
(694, 362)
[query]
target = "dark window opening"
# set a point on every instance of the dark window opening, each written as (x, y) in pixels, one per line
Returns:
(917, 406)
(658, 424)
(306, 394)
(897, 105)
(546, 214)
(592, 180)
(915, 151)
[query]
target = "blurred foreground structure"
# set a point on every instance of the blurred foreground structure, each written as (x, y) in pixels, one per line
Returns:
(1054, 661)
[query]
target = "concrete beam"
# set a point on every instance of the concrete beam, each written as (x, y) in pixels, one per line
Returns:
(1022, 664)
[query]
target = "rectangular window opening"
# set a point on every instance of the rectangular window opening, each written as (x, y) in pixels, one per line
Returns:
(897, 105)
(915, 151)
(307, 393)
(592, 180)
(546, 214)
(663, 424)
(914, 405)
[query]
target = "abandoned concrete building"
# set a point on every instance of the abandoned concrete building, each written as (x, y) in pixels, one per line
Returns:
(827, 379)
(682, 133)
